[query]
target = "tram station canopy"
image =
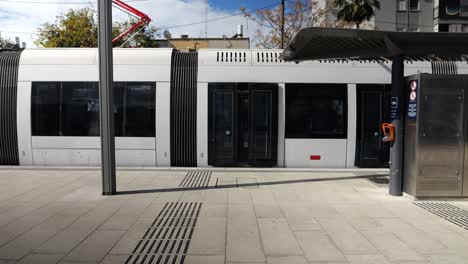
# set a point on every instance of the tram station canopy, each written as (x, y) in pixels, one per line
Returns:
(314, 43)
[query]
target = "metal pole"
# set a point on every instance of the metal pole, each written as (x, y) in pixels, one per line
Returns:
(282, 24)
(106, 97)
(398, 118)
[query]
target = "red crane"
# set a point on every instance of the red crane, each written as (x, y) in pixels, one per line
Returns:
(143, 19)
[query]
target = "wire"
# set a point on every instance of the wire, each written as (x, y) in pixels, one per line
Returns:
(218, 18)
(59, 3)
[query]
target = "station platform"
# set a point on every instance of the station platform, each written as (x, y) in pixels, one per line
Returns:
(223, 216)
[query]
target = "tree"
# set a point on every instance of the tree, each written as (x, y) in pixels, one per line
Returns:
(298, 14)
(6, 43)
(356, 11)
(79, 28)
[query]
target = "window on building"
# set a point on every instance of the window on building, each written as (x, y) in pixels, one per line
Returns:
(455, 28)
(414, 5)
(413, 28)
(401, 5)
(401, 28)
(316, 110)
(464, 8)
(72, 109)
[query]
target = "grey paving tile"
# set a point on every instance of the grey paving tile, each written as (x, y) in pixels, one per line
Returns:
(71, 236)
(367, 259)
(128, 242)
(299, 219)
(241, 215)
(243, 245)
(119, 222)
(239, 196)
(216, 196)
(411, 235)
(95, 247)
(392, 247)
(41, 259)
(347, 239)
(213, 210)
(209, 237)
(277, 237)
(286, 260)
(267, 211)
(447, 259)
(207, 259)
(114, 259)
(317, 246)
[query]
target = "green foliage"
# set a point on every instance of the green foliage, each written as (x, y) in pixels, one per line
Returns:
(298, 14)
(6, 43)
(356, 11)
(79, 28)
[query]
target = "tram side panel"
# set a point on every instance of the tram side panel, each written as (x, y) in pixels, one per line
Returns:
(321, 134)
(76, 140)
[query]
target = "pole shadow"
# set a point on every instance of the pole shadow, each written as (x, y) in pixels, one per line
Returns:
(256, 184)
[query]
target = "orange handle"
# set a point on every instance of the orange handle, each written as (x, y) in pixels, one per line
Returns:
(388, 132)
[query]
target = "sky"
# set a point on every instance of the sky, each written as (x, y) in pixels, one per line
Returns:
(21, 18)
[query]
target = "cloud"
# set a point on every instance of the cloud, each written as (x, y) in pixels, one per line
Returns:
(23, 19)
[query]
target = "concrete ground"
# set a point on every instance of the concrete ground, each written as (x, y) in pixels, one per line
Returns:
(59, 216)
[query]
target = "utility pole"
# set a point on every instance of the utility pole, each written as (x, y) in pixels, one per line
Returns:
(282, 24)
(106, 97)
(206, 19)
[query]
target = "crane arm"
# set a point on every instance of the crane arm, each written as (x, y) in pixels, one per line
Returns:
(143, 19)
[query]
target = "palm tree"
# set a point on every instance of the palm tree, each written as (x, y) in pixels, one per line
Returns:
(356, 11)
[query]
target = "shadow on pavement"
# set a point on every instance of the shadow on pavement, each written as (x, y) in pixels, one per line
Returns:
(256, 184)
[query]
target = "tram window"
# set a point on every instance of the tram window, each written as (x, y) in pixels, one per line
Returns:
(72, 109)
(135, 109)
(45, 109)
(80, 109)
(316, 111)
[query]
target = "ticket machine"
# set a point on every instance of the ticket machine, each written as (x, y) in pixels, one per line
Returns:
(436, 136)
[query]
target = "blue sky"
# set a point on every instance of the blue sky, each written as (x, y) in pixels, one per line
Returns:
(23, 19)
(235, 5)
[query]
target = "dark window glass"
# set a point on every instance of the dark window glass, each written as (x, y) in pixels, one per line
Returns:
(316, 110)
(135, 109)
(72, 109)
(414, 5)
(80, 109)
(45, 109)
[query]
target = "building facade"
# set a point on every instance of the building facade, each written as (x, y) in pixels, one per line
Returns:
(410, 15)
(192, 44)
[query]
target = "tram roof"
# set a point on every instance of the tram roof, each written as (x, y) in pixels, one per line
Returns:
(314, 43)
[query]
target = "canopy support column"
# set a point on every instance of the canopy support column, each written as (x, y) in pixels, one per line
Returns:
(106, 97)
(397, 112)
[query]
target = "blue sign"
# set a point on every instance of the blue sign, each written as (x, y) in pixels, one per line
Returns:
(394, 108)
(413, 100)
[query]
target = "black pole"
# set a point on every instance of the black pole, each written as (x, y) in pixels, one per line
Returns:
(106, 97)
(397, 117)
(282, 24)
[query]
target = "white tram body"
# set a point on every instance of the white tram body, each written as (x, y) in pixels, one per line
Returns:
(43, 142)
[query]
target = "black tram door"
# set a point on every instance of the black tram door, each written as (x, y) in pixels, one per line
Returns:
(373, 107)
(243, 124)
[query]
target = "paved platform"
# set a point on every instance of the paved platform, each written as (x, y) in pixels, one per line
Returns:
(59, 216)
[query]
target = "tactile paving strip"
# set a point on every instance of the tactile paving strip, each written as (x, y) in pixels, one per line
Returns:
(447, 211)
(168, 238)
(196, 179)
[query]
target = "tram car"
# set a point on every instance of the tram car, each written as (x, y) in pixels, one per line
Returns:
(224, 108)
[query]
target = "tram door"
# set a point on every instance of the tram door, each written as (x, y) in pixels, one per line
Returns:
(243, 124)
(373, 105)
